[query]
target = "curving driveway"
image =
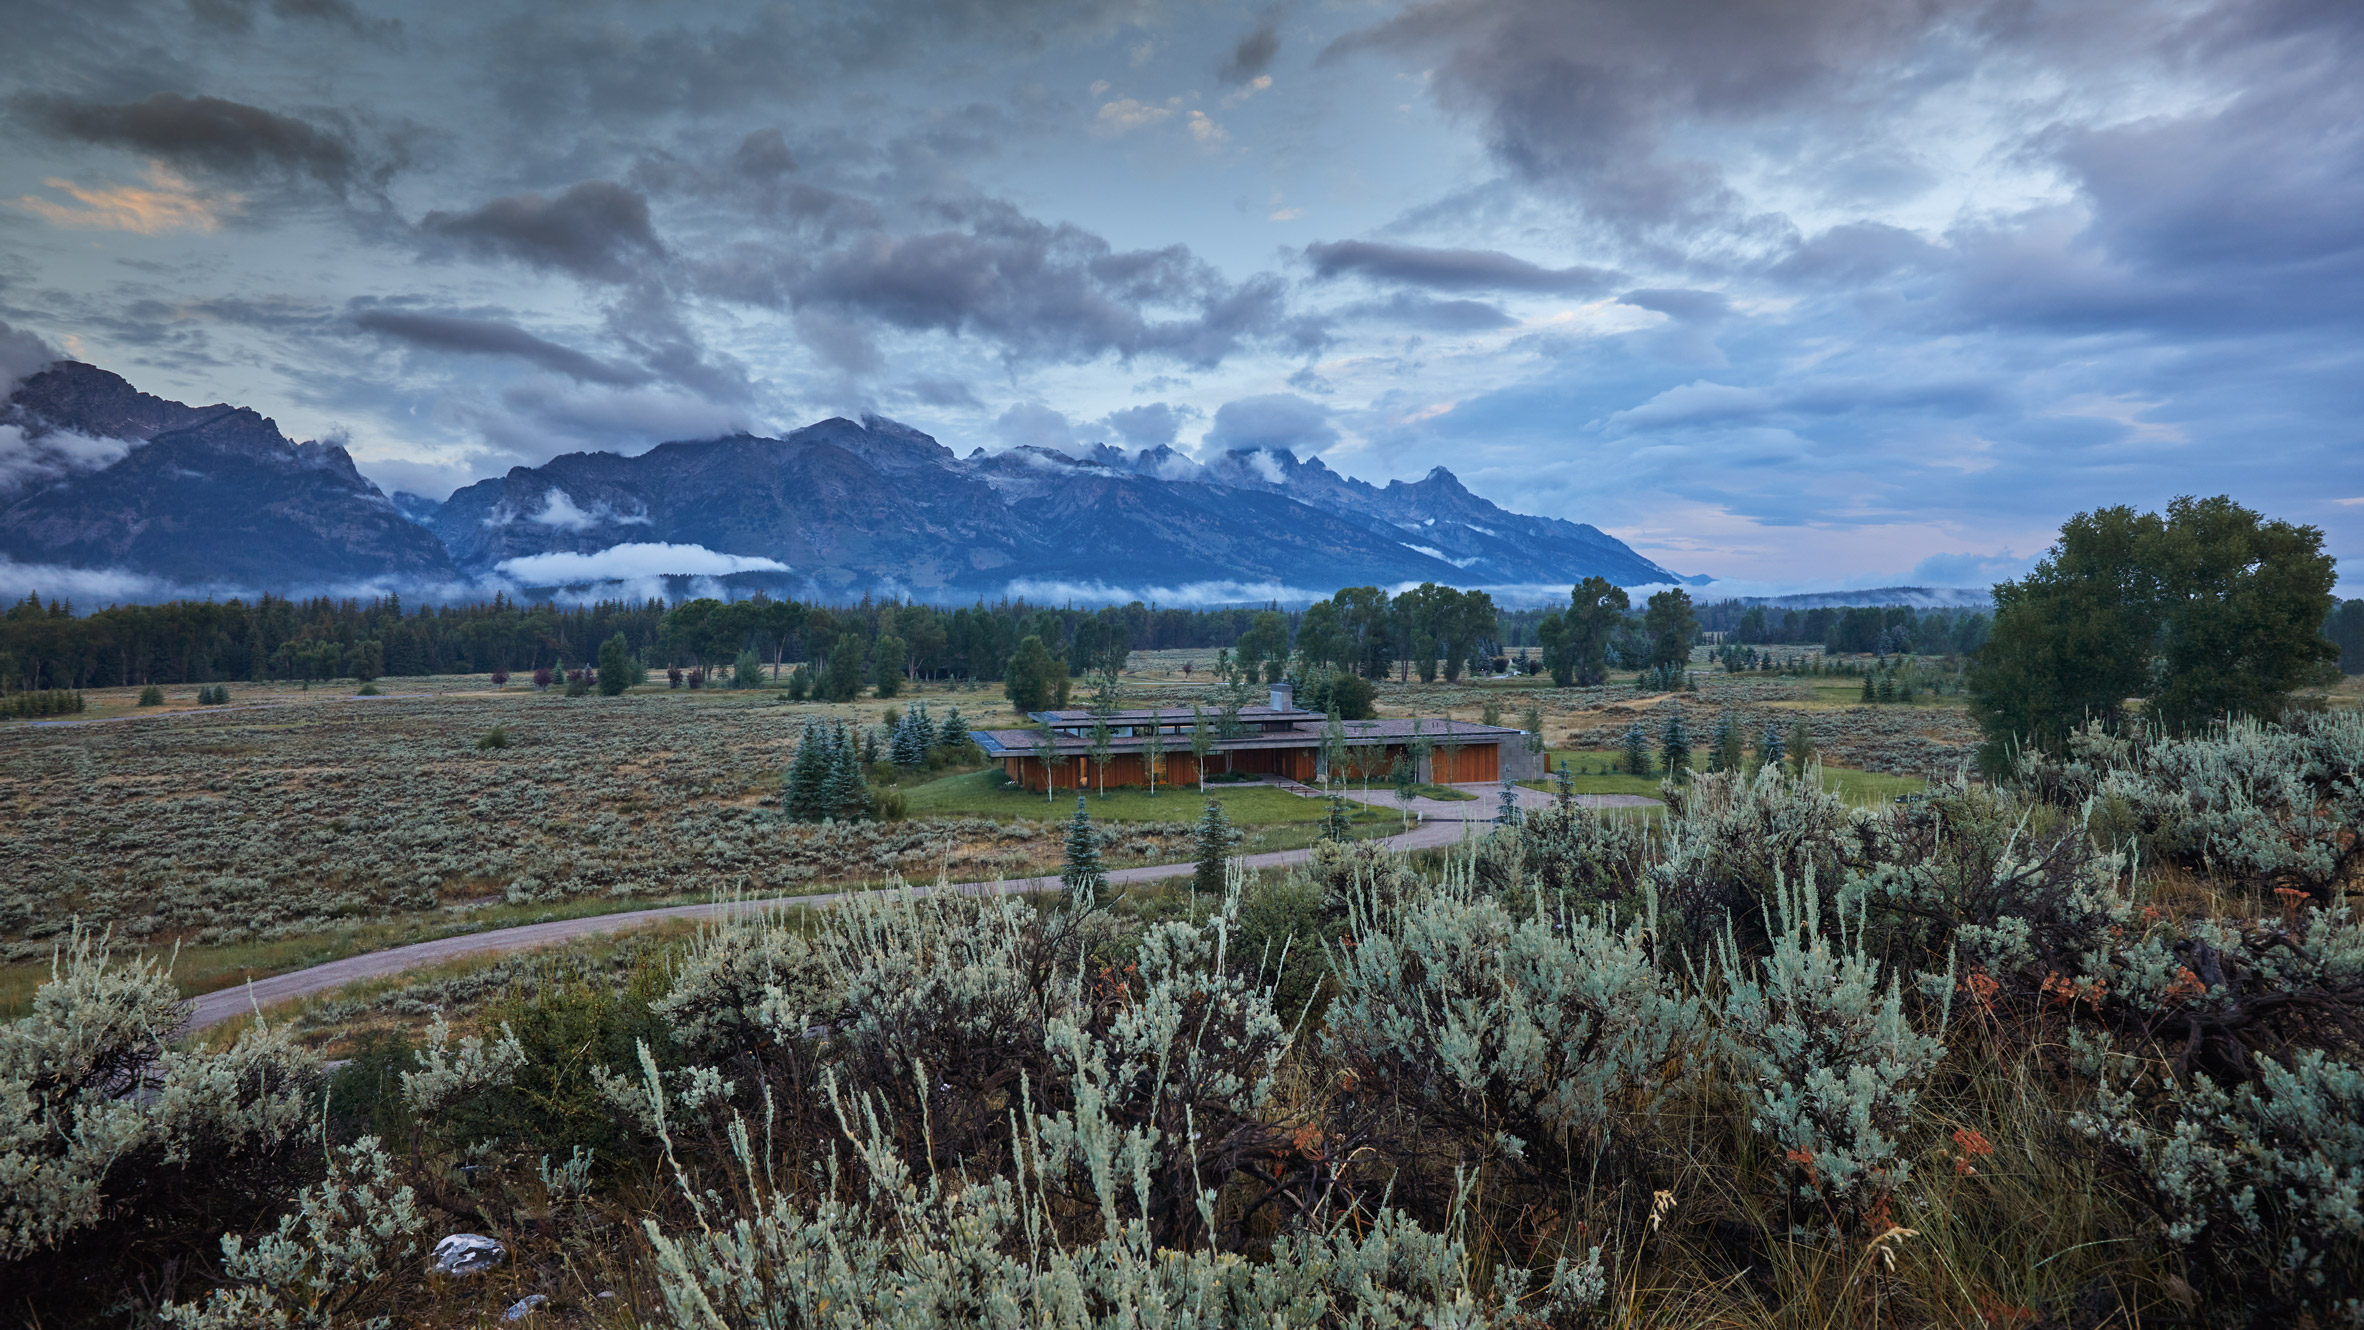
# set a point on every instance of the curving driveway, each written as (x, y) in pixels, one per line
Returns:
(1445, 825)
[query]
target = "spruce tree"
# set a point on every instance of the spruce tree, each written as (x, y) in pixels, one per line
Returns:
(1637, 750)
(1801, 747)
(1337, 823)
(1674, 748)
(1214, 840)
(800, 792)
(1870, 693)
(953, 733)
(1769, 749)
(1719, 756)
(1506, 809)
(1082, 878)
(1563, 787)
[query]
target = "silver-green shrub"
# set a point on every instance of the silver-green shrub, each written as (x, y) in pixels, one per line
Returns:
(2267, 1176)
(1522, 1030)
(1832, 1066)
(1729, 837)
(349, 1239)
(98, 1114)
(908, 1250)
(2269, 805)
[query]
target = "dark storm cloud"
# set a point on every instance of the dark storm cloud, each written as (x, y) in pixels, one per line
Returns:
(625, 62)
(597, 230)
(1150, 425)
(1253, 55)
(1043, 292)
(942, 392)
(493, 337)
(1276, 420)
(1449, 269)
(225, 137)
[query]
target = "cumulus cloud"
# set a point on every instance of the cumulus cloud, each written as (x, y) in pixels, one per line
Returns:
(1277, 420)
(460, 335)
(597, 230)
(1450, 269)
(626, 562)
(212, 134)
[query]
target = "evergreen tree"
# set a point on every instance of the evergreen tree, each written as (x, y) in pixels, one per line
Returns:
(1727, 740)
(1082, 879)
(1506, 809)
(1213, 842)
(923, 728)
(1563, 787)
(1870, 692)
(904, 747)
(615, 665)
(1674, 748)
(1637, 750)
(848, 789)
(808, 771)
(151, 696)
(1769, 748)
(1337, 823)
(1801, 747)
(800, 682)
(954, 732)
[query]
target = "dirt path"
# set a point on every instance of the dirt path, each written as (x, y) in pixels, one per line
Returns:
(213, 1008)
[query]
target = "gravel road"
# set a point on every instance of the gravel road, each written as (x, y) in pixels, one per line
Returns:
(1444, 825)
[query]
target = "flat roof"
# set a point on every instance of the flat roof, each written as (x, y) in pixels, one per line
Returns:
(1023, 743)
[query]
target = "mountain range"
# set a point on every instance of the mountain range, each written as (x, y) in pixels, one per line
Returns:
(96, 474)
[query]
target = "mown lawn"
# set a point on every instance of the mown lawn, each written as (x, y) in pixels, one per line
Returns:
(978, 794)
(1858, 786)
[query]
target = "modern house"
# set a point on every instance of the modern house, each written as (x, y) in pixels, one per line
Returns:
(1277, 739)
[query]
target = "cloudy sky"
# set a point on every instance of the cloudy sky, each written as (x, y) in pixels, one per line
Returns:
(1797, 293)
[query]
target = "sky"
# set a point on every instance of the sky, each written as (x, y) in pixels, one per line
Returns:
(1797, 294)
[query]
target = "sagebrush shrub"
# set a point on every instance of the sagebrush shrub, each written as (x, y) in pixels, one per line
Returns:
(106, 1129)
(2265, 1179)
(1522, 1032)
(1832, 1067)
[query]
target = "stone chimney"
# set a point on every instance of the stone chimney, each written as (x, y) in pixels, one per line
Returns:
(1284, 696)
